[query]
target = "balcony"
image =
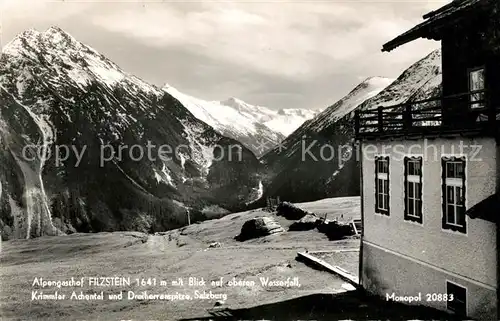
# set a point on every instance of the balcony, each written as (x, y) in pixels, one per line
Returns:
(466, 113)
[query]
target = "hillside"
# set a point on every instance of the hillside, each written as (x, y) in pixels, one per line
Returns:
(179, 253)
(132, 157)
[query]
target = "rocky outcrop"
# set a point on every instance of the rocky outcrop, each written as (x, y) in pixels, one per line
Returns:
(290, 211)
(308, 222)
(259, 227)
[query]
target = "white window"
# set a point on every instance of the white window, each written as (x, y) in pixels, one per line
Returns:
(454, 194)
(413, 189)
(476, 87)
(382, 185)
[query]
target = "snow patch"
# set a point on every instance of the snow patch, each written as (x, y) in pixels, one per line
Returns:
(107, 75)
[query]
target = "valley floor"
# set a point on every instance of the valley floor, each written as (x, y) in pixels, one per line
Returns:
(171, 255)
(175, 254)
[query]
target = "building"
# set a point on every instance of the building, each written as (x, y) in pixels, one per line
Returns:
(430, 173)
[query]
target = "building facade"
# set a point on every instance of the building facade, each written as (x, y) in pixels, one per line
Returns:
(426, 165)
(410, 244)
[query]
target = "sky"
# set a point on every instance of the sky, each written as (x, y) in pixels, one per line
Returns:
(278, 54)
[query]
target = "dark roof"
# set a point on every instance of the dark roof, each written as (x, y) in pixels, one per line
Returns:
(433, 19)
(488, 209)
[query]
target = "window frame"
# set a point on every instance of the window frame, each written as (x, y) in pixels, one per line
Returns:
(482, 95)
(417, 197)
(461, 287)
(385, 177)
(454, 183)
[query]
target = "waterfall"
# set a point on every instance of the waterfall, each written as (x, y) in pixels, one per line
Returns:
(38, 216)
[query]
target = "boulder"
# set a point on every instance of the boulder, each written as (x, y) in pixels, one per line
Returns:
(214, 245)
(308, 222)
(258, 227)
(290, 211)
(335, 230)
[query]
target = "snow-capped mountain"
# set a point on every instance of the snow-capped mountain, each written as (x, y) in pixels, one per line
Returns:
(284, 121)
(420, 81)
(258, 128)
(318, 160)
(367, 89)
(136, 158)
(230, 122)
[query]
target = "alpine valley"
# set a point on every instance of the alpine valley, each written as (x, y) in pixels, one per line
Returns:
(56, 91)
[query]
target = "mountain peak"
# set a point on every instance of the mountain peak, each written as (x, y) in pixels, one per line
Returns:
(237, 104)
(31, 39)
(166, 86)
(26, 37)
(55, 29)
(232, 101)
(58, 36)
(378, 80)
(29, 33)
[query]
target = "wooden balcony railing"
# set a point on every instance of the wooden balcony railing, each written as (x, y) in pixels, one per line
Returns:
(466, 111)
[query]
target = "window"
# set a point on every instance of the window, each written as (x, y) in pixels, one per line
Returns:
(382, 185)
(413, 189)
(457, 298)
(476, 88)
(454, 194)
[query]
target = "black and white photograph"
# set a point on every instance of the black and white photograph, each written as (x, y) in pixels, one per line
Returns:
(249, 160)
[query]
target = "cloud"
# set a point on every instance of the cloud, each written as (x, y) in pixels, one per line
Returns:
(275, 53)
(291, 39)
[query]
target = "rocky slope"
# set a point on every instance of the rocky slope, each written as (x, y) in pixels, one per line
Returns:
(132, 157)
(318, 160)
(258, 128)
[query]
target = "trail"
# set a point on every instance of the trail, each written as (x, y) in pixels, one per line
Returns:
(34, 190)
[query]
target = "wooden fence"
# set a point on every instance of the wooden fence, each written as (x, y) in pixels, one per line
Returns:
(272, 203)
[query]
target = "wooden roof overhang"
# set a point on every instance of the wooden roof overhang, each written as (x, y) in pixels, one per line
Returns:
(436, 21)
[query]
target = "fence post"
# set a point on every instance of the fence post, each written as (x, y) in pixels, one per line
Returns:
(380, 119)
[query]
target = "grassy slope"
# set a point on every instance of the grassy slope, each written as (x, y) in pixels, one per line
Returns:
(173, 254)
